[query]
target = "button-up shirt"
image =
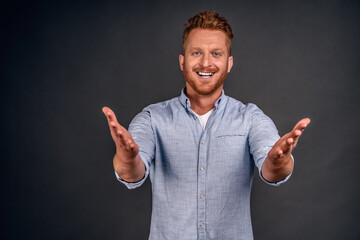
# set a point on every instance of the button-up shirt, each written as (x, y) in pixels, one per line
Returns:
(201, 179)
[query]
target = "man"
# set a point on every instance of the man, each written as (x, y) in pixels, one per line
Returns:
(200, 148)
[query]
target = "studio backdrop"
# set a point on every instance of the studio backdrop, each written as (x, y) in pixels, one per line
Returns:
(62, 61)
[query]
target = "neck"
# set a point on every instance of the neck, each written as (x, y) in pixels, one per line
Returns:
(201, 104)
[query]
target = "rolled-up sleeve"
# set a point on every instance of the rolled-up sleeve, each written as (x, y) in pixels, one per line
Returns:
(142, 132)
(262, 137)
(275, 183)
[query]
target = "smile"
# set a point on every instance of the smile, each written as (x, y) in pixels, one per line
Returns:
(205, 74)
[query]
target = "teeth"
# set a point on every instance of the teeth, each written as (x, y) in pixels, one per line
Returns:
(205, 73)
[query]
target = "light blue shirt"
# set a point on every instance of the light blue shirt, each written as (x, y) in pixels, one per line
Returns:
(201, 179)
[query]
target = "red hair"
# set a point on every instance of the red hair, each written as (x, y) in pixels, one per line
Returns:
(211, 21)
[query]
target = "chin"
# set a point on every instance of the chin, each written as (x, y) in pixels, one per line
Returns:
(206, 90)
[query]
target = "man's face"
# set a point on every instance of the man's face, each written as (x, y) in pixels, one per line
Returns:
(206, 61)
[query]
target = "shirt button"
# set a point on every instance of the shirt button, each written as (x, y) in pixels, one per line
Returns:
(201, 224)
(202, 196)
(202, 169)
(195, 117)
(202, 142)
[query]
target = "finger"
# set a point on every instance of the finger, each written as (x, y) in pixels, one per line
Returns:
(295, 135)
(110, 115)
(123, 139)
(133, 146)
(302, 124)
(286, 145)
(279, 153)
(124, 136)
(127, 143)
(112, 121)
(289, 145)
(298, 133)
(298, 129)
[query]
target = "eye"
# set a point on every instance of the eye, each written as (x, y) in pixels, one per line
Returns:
(216, 54)
(196, 53)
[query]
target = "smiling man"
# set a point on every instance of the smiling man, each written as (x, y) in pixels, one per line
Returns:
(205, 64)
(200, 149)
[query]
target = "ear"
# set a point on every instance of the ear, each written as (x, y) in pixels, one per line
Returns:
(230, 63)
(181, 61)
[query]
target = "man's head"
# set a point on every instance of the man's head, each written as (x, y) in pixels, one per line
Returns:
(206, 59)
(210, 21)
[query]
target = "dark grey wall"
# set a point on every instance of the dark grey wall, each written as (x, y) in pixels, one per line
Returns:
(61, 62)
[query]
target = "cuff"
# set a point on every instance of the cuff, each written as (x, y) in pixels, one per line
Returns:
(133, 185)
(279, 182)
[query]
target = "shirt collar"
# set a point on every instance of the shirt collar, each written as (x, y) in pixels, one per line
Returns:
(186, 102)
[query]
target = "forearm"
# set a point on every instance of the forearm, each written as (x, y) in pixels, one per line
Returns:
(132, 170)
(275, 171)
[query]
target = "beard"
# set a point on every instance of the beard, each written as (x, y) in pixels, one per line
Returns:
(204, 88)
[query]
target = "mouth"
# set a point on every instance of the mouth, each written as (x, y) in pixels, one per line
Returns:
(205, 75)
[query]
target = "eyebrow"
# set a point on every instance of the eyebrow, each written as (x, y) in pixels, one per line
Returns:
(212, 50)
(194, 48)
(217, 50)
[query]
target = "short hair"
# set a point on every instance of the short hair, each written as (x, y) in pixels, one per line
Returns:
(211, 21)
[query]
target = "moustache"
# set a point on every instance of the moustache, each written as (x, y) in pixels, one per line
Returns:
(200, 69)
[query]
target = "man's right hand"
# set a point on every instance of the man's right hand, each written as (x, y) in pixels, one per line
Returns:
(126, 148)
(127, 162)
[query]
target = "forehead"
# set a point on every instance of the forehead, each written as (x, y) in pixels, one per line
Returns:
(205, 38)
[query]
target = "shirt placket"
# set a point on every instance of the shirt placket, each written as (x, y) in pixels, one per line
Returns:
(201, 192)
(202, 186)
(202, 168)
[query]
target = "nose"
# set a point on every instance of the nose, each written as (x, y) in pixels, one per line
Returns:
(205, 60)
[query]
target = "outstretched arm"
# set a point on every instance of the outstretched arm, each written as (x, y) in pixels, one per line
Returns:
(127, 162)
(278, 163)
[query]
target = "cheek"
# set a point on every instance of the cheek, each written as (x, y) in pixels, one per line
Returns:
(189, 64)
(222, 65)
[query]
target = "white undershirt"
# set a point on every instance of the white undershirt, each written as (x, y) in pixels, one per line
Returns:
(204, 118)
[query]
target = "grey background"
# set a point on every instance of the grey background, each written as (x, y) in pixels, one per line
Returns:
(62, 61)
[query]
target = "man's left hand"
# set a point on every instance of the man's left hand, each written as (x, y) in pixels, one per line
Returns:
(278, 163)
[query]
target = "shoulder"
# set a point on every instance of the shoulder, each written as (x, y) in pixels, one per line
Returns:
(163, 112)
(152, 113)
(248, 113)
(235, 105)
(164, 106)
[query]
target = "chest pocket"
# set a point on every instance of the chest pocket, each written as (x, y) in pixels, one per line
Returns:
(231, 136)
(230, 153)
(231, 142)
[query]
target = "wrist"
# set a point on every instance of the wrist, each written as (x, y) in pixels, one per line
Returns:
(274, 171)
